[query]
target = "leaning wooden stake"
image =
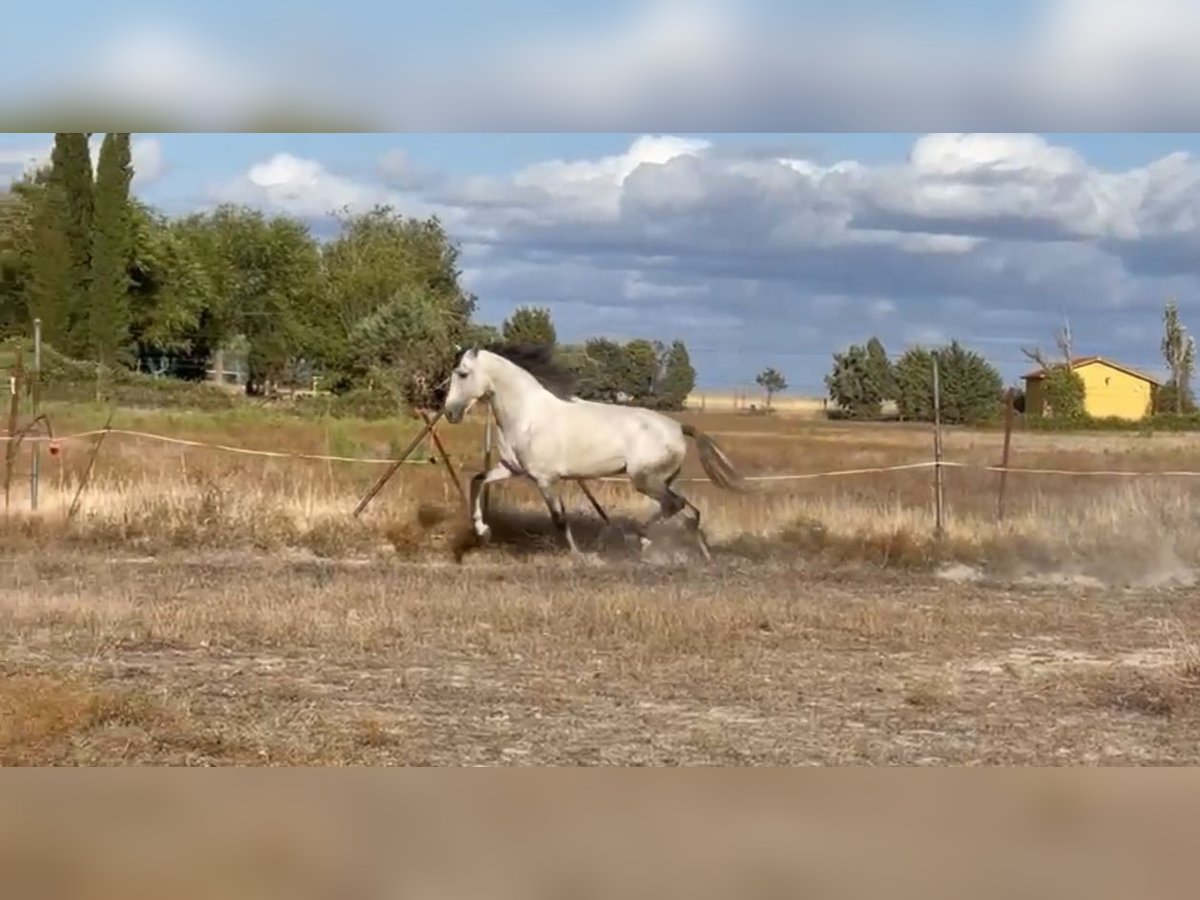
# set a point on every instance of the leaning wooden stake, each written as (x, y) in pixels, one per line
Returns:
(391, 470)
(595, 503)
(450, 470)
(938, 486)
(87, 475)
(1002, 488)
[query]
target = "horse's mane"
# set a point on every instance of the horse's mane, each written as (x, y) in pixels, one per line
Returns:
(539, 361)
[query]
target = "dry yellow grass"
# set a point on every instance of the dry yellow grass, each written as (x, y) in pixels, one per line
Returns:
(210, 608)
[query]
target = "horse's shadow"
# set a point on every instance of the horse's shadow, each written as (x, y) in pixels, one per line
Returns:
(528, 533)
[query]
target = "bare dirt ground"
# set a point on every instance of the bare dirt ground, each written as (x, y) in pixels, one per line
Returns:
(204, 659)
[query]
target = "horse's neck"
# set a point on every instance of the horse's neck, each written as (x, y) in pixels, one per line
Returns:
(514, 392)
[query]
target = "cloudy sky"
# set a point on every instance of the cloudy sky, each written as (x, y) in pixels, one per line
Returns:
(758, 248)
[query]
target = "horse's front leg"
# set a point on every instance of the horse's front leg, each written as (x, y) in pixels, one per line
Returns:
(499, 472)
(558, 510)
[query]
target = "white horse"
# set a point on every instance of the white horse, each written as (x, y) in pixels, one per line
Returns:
(550, 436)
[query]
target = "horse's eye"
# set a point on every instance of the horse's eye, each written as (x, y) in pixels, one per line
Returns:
(460, 373)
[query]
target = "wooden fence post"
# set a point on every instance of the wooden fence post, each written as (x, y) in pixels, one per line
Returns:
(1002, 487)
(487, 459)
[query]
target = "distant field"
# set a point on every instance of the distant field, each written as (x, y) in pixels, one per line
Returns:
(727, 401)
(208, 607)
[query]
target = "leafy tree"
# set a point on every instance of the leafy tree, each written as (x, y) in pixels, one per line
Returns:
(399, 345)
(861, 379)
(530, 325)
(880, 375)
(587, 372)
(1063, 390)
(51, 285)
(772, 382)
(266, 281)
(480, 335)
(678, 378)
(378, 256)
(108, 305)
(603, 378)
(970, 386)
(70, 213)
(640, 370)
(16, 236)
(1179, 351)
(173, 299)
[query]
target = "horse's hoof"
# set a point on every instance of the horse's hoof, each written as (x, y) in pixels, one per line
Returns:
(483, 535)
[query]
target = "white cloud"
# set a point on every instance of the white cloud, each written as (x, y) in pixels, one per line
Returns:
(299, 187)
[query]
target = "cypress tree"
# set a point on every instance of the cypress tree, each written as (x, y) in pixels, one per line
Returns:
(108, 289)
(678, 377)
(71, 173)
(50, 283)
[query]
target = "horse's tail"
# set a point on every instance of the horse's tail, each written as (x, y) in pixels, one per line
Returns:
(716, 464)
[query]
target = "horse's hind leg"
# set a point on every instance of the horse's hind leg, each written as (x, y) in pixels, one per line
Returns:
(558, 512)
(669, 503)
(693, 523)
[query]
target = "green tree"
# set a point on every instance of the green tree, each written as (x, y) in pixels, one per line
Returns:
(879, 372)
(477, 334)
(108, 285)
(678, 378)
(850, 384)
(378, 256)
(1179, 352)
(1063, 391)
(51, 285)
(266, 281)
(970, 386)
(71, 213)
(175, 308)
(861, 380)
(16, 237)
(639, 371)
(604, 377)
(530, 325)
(772, 382)
(399, 346)
(587, 372)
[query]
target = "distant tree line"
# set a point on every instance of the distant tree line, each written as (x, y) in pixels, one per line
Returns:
(377, 308)
(639, 371)
(863, 378)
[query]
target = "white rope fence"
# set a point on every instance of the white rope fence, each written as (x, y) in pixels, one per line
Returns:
(804, 476)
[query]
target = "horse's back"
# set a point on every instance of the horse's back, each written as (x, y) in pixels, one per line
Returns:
(647, 439)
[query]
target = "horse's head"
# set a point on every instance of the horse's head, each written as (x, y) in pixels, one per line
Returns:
(468, 383)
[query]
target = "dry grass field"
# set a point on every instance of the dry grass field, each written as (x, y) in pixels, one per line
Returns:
(210, 608)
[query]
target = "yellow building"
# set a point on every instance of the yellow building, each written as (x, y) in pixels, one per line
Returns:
(1110, 389)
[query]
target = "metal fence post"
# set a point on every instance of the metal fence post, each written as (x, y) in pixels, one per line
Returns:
(938, 485)
(36, 395)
